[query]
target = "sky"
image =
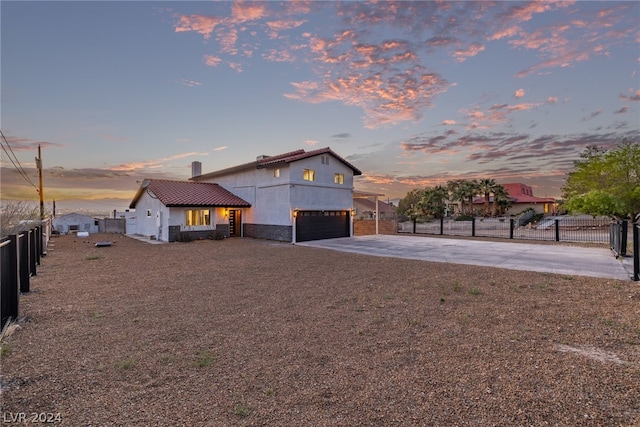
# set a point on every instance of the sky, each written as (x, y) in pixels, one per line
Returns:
(414, 94)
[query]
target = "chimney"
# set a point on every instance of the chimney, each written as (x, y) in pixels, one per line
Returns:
(196, 169)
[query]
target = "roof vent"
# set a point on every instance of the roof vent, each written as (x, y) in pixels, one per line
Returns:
(262, 157)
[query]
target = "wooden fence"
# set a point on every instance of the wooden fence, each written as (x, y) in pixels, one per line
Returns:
(20, 254)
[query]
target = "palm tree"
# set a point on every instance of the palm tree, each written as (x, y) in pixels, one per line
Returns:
(501, 200)
(469, 189)
(433, 201)
(454, 188)
(487, 186)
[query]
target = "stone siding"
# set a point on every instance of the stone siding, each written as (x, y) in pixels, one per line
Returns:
(282, 233)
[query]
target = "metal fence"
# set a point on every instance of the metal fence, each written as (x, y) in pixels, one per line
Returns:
(559, 229)
(20, 255)
(636, 251)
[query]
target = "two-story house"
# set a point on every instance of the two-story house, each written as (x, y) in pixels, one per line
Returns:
(292, 197)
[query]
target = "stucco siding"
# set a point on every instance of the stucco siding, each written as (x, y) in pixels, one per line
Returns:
(79, 221)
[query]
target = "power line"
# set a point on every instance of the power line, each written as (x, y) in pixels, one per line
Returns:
(18, 166)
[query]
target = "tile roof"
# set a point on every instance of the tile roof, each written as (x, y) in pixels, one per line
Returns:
(188, 193)
(267, 161)
(301, 154)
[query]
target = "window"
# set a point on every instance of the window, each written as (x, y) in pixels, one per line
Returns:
(309, 175)
(198, 217)
(276, 173)
(324, 160)
(338, 178)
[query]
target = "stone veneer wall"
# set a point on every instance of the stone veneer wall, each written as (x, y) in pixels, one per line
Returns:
(220, 230)
(282, 233)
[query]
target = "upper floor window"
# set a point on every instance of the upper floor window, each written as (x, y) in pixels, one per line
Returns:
(338, 178)
(309, 175)
(324, 160)
(276, 173)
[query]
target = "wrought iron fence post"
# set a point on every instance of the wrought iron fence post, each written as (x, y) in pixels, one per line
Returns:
(623, 237)
(441, 226)
(25, 263)
(512, 226)
(557, 223)
(636, 251)
(473, 227)
(33, 251)
(10, 292)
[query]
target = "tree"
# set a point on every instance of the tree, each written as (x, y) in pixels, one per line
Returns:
(15, 216)
(464, 190)
(487, 186)
(605, 182)
(408, 205)
(501, 200)
(433, 201)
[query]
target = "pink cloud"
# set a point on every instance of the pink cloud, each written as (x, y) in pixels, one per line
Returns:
(211, 60)
(634, 98)
(519, 93)
(462, 55)
(201, 24)
(247, 11)
(152, 164)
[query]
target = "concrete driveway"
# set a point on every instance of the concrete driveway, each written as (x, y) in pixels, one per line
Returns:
(557, 259)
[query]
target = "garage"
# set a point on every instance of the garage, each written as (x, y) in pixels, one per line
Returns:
(316, 225)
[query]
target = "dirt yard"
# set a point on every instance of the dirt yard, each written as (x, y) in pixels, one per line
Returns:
(249, 332)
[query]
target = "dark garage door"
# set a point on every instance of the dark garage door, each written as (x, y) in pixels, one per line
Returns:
(316, 225)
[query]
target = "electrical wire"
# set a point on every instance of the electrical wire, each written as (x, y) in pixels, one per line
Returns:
(18, 166)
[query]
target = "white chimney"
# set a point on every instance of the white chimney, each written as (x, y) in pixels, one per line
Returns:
(196, 169)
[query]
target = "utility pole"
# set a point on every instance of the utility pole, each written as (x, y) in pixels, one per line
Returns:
(40, 191)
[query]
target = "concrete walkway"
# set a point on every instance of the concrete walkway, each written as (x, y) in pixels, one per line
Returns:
(557, 259)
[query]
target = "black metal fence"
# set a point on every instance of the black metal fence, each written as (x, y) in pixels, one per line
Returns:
(636, 251)
(618, 238)
(560, 229)
(20, 254)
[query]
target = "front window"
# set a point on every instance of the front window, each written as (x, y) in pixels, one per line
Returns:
(309, 175)
(198, 217)
(276, 173)
(338, 178)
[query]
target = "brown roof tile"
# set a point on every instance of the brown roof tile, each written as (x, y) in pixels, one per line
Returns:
(301, 154)
(189, 193)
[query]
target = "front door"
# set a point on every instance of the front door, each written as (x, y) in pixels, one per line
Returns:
(235, 222)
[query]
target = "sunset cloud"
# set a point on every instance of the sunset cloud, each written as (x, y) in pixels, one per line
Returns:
(153, 163)
(190, 83)
(389, 78)
(201, 24)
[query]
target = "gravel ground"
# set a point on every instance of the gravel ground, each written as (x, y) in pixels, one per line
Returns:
(251, 332)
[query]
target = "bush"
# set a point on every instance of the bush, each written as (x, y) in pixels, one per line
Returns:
(464, 218)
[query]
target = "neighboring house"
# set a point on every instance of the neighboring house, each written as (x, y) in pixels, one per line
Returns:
(166, 208)
(365, 208)
(290, 197)
(522, 198)
(74, 222)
